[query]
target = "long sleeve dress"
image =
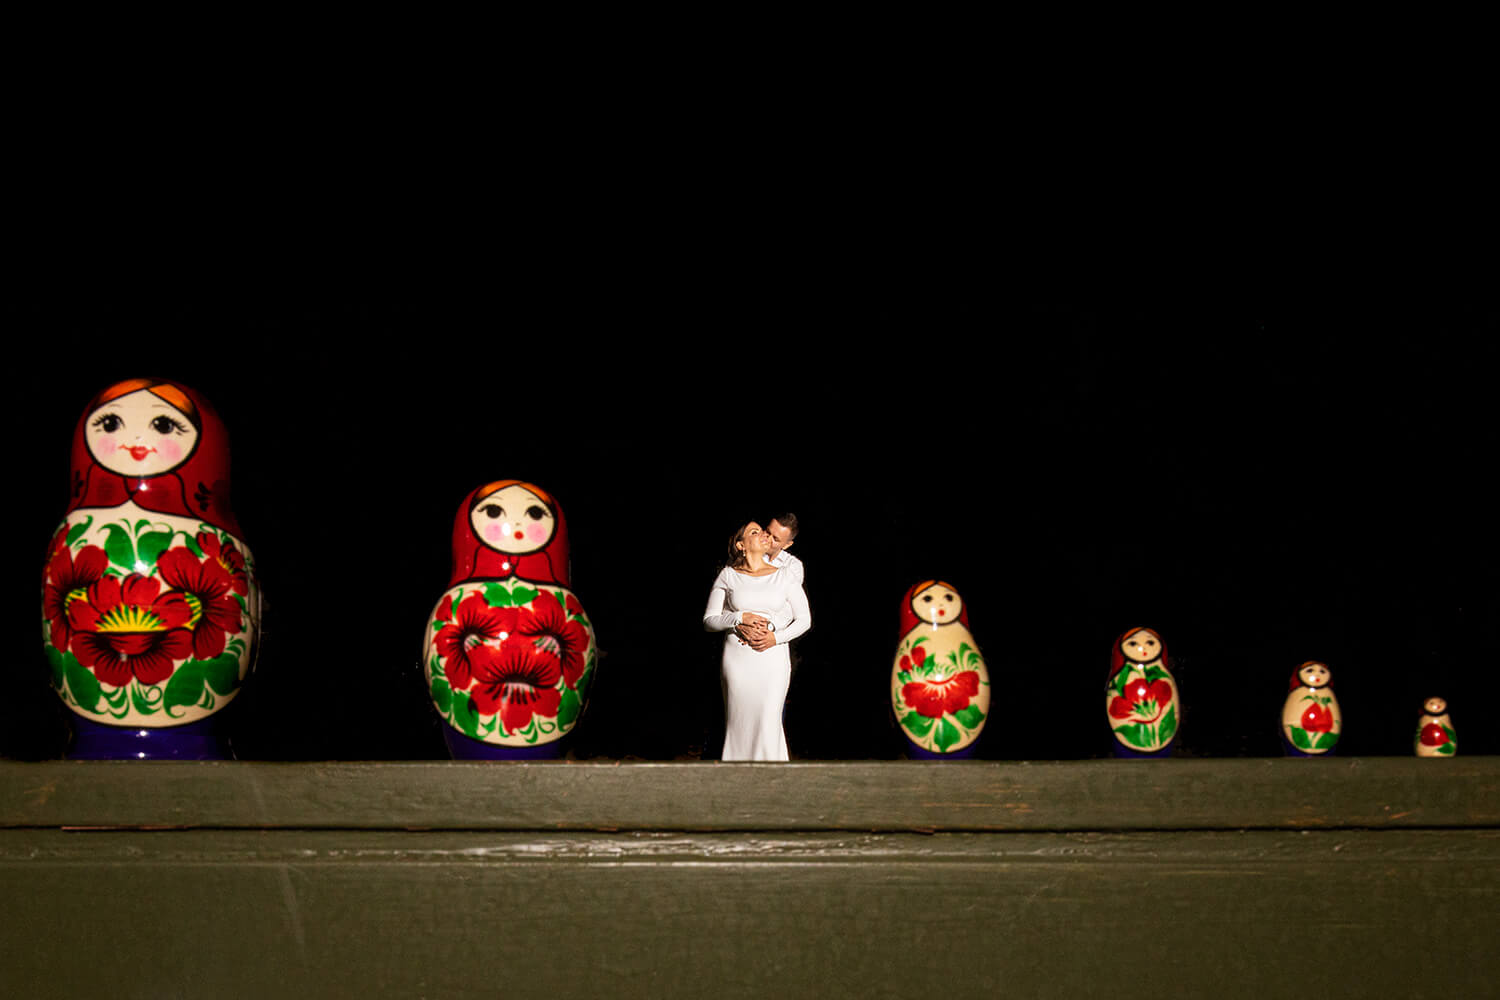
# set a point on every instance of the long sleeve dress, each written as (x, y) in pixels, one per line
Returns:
(755, 683)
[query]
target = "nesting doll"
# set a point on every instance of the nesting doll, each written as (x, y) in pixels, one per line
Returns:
(509, 651)
(1311, 721)
(940, 688)
(150, 605)
(1435, 736)
(1141, 697)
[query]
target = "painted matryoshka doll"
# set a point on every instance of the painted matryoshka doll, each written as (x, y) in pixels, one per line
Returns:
(1141, 697)
(1311, 721)
(150, 605)
(940, 688)
(1435, 735)
(509, 652)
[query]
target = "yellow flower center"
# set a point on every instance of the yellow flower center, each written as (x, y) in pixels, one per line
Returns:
(130, 618)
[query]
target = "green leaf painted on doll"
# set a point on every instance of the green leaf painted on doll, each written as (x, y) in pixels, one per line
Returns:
(56, 658)
(222, 673)
(1300, 739)
(916, 723)
(1326, 741)
(946, 735)
(442, 695)
(153, 544)
(568, 708)
(523, 596)
(138, 701)
(496, 595)
(1168, 727)
(1156, 673)
(192, 544)
(970, 717)
(119, 547)
(82, 684)
(76, 532)
(184, 687)
(465, 714)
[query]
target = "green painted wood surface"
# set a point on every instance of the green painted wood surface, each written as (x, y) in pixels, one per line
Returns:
(1379, 792)
(1361, 878)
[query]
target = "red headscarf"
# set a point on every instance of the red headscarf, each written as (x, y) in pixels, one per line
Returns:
(474, 560)
(197, 487)
(1117, 658)
(910, 619)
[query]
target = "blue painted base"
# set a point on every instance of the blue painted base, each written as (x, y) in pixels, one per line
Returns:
(461, 747)
(203, 740)
(914, 752)
(1117, 750)
(1292, 750)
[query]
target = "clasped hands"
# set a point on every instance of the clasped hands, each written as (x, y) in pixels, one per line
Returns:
(755, 632)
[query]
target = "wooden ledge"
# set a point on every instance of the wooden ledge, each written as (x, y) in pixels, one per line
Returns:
(884, 796)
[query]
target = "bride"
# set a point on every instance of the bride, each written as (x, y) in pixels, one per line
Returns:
(772, 608)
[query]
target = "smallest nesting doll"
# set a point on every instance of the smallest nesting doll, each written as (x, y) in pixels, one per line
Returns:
(1141, 697)
(1435, 736)
(1311, 721)
(940, 687)
(509, 651)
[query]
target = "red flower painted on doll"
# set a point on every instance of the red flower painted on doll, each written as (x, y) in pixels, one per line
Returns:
(461, 642)
(916, 658)
(1146, 702)
(68, 576)
(129, 628)
(1317, 719)
(1433, 735)
(550, 629)
(227, 555)
(933, 697)
(517, 681)
(574, 608)
(206, 585)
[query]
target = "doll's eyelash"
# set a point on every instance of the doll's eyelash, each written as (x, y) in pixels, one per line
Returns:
(176, 426)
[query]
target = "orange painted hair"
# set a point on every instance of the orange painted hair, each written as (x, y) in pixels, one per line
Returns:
(164, 391)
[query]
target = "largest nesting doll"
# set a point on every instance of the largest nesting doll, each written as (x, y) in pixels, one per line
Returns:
(150, 605)
(940, 688)
(509, 651)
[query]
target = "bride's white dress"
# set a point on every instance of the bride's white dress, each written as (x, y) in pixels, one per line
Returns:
(755, 683)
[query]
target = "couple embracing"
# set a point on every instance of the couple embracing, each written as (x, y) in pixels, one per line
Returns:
(758, 602)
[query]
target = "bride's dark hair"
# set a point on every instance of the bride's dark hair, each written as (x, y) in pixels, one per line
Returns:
(737, 557)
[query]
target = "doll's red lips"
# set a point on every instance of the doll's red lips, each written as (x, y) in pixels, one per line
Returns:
(520, 536)
(138, 452)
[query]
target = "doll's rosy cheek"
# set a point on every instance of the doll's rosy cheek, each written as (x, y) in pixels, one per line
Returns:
(537, 532)
(106, 443)
(493, 532)
(170, 450)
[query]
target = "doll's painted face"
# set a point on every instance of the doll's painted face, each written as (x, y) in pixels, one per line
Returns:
(140, 434)
(1141, 646)
(1435, 706)
(513, 520)
(938, 604)
(1313, 675)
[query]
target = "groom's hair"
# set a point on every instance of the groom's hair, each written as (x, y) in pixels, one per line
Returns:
(787, 521)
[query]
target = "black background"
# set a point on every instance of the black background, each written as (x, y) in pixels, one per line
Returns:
(1264, 475)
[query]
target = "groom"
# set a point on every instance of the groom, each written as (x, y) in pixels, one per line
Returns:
(782, 530)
